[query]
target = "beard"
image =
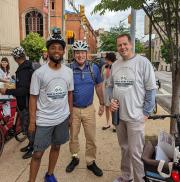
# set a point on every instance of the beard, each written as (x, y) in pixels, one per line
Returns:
(55, 59)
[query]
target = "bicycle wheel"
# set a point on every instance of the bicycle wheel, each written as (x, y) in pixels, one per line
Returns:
(19, 135)
(2, 140)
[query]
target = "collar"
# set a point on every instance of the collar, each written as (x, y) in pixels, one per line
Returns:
(76, 65)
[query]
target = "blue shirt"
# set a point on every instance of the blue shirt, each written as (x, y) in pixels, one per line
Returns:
(83, 84)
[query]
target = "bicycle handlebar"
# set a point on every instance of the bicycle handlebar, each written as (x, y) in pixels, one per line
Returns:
(154, 117)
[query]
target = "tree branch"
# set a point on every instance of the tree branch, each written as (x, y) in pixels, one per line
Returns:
(154, 19)
(153, 24)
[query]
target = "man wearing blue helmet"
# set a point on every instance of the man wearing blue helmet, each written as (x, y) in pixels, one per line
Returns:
(50, 106)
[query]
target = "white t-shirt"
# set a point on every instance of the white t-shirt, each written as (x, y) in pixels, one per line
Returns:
(130, 80)
(51, 87)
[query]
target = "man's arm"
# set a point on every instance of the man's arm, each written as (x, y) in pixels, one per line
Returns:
(70, 101)
(32, 113)
(99, 92)
(149, 102)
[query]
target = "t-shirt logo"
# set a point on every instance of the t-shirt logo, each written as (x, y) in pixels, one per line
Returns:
(124, 82)
(56, 93)
(124, 78)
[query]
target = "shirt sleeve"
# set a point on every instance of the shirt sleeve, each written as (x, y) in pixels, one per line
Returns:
(149, 76)
(98, 78)
(35, 84)
(149, 102)
(71, 82)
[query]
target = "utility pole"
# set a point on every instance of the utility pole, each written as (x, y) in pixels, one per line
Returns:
(150, 37)
(49, 17)
(133, 27)
(63, 18)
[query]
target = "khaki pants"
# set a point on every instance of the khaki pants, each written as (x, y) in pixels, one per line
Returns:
(131, 140)
(86, 116)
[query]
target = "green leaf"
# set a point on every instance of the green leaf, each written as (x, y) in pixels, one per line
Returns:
(33, 45)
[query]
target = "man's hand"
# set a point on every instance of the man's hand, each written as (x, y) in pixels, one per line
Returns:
(114, 105)
(101, 110)
(32, 128)
(70, 119)
(145, 118)
(3, 91)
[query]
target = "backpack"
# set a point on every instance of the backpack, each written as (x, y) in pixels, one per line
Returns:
(99, 62)
(90, 65)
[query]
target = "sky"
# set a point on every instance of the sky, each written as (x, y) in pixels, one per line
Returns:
(110, 19)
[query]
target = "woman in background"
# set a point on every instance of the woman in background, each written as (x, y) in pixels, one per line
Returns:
(106, 69)
(4, 70)
(5, 77)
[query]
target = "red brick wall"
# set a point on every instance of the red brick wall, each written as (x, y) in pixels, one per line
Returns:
(56, 15)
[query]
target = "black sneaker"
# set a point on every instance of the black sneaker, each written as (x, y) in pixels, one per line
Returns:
(95, 169)
(25, 149)
(28, 154)
(71, 166)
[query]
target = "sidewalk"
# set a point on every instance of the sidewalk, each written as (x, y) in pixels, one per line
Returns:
(14, 169)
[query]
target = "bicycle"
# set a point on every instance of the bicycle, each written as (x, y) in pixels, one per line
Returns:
(151, 165)
(10, 126)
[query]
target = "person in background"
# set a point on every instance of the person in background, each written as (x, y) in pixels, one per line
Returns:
(134, 86)
(106, 69)
(5, 77)
(21, 92)
(5, 70)
(86, 77)
(44, 57)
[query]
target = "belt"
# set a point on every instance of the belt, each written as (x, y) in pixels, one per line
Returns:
(82, 107)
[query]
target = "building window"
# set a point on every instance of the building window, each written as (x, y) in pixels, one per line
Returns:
(53, 5)
(34, 22)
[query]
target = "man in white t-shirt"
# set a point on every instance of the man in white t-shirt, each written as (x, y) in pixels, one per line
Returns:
(50, 107)
(134, 86)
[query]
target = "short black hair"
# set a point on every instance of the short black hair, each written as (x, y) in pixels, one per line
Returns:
(124, 35)
(111, 57)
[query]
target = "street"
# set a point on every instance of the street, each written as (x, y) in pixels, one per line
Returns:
(164, 94)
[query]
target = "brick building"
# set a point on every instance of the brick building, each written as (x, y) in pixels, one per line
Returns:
(32, 17)
(81, 32)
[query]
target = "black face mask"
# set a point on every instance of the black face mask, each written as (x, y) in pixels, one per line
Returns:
(57, 61)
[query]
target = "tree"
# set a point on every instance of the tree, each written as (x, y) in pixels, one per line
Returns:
(165, 52)
(165, 18)
(70, 54)
(108, 39)
(33, 45)
(139, 48)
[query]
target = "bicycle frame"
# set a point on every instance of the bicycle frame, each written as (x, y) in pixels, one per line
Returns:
(10, 126)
